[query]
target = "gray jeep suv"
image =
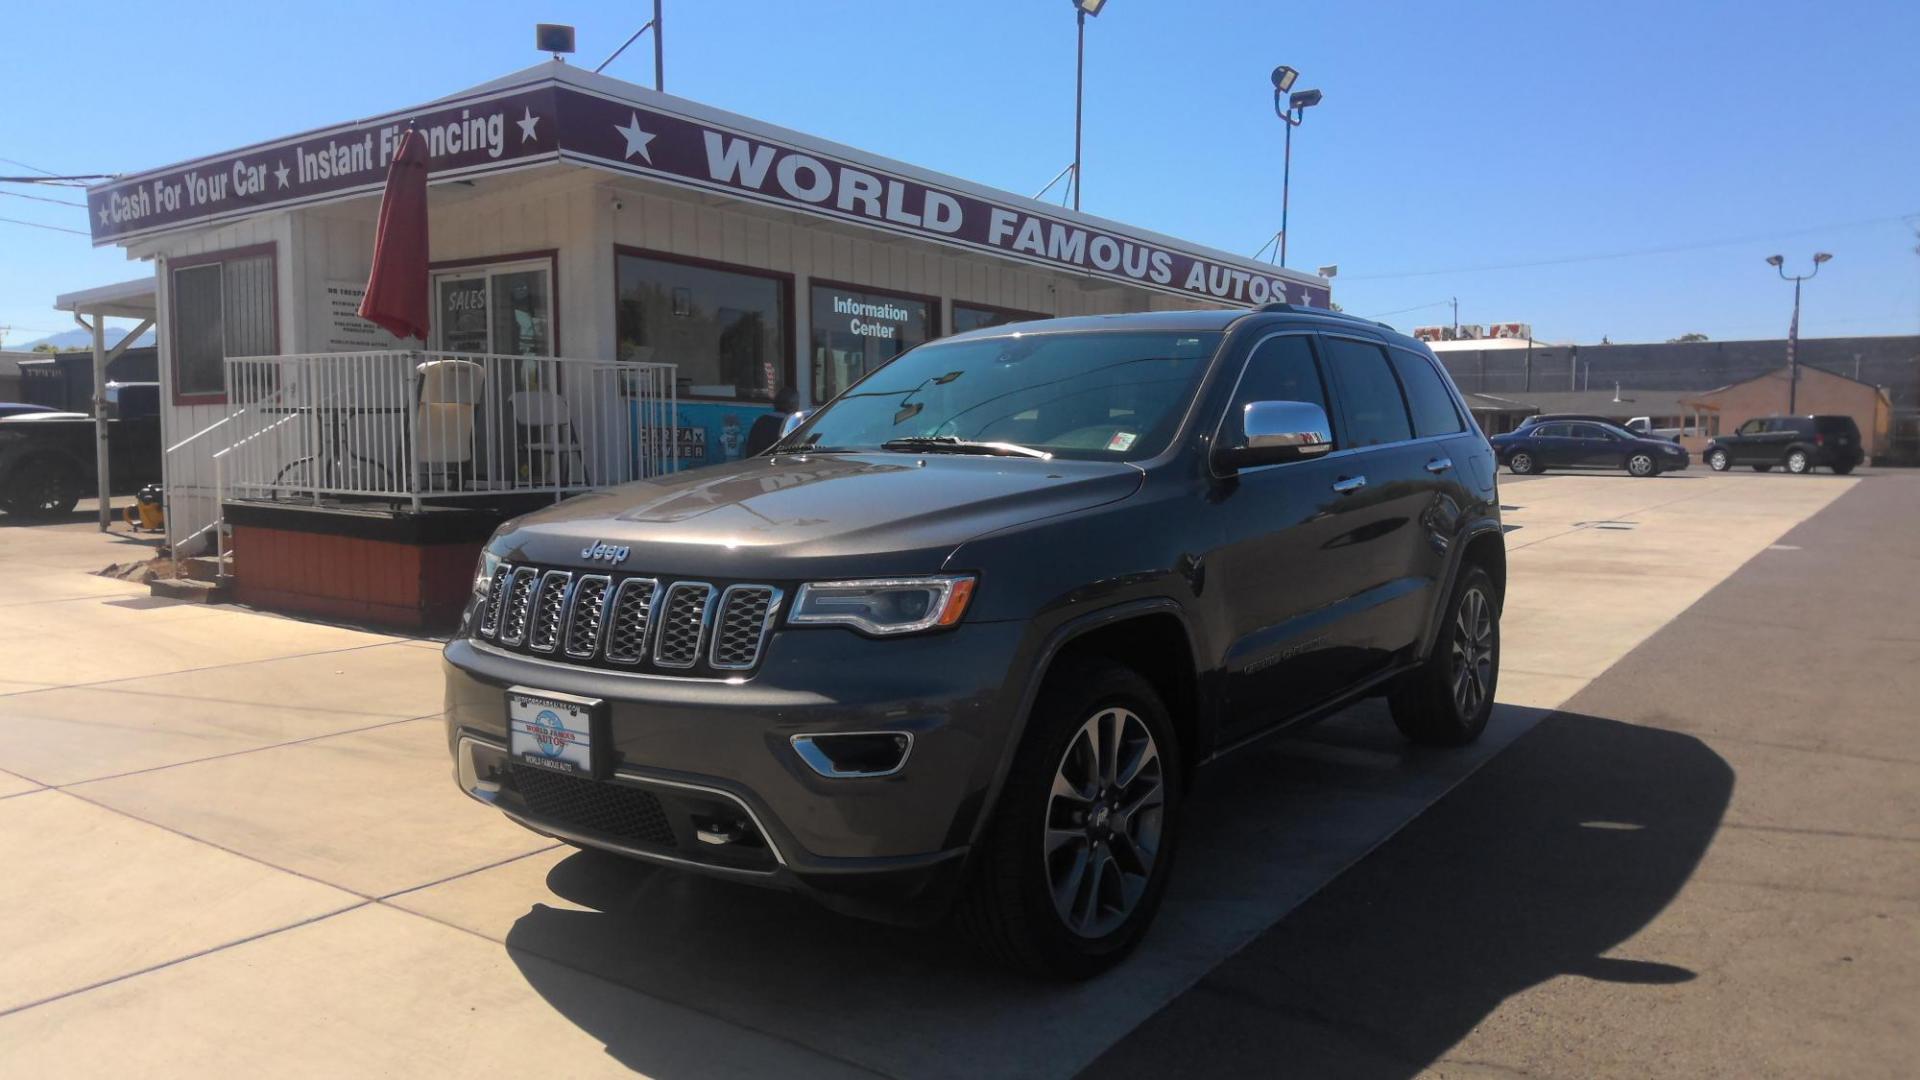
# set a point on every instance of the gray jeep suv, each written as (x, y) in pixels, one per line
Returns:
(959, 644)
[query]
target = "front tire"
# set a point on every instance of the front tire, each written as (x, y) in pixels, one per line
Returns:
(1073, 865)
(1447, 700)
(1798, 462)
(1523, 463)
(1718, 461)
(1642, 465)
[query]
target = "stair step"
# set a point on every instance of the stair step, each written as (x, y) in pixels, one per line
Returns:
(207, 567)
(190, 590)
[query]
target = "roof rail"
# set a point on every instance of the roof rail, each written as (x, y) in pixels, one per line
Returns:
(1282, 308)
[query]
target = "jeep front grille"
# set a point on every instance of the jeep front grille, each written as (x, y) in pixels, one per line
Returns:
(676, 627)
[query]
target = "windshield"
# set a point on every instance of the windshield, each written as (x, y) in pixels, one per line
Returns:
(1096, 395)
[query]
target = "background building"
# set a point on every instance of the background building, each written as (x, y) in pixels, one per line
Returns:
(1687, 370)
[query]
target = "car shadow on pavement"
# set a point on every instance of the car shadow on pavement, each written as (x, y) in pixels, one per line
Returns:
(1559, 848)
(1537, 867)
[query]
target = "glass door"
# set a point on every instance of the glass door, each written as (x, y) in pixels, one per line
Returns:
(505, 309)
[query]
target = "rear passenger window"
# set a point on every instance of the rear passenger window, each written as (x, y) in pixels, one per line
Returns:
(1280, 369)
(1427, 396)
(1369, 394)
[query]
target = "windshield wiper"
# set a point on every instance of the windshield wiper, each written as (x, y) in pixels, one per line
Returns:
(948, 444)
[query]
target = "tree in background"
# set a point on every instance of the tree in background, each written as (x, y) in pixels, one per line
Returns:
(1684, 338)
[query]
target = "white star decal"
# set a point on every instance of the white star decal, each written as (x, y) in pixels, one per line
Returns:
(104, 214)
(280, 173)
(527, 123)
(637, 139)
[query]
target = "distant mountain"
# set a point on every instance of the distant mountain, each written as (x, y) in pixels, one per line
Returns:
(77, 338)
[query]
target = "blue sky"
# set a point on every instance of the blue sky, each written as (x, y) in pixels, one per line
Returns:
(1484, 151)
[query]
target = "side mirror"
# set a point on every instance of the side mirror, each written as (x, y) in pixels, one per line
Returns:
(793, 420)
(1278, 431)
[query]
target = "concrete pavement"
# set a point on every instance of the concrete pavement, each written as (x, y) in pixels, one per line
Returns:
(242, 832)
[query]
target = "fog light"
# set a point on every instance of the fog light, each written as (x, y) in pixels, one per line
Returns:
(855, 753)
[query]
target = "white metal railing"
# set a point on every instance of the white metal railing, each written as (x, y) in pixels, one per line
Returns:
(415, 425)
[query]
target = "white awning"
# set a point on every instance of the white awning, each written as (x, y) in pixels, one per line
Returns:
(136, 299)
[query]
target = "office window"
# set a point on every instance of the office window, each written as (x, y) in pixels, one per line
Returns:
(857, 330)
(974, 317)
(1427, 397)
(504, 308)
(222, 307)
(725, 328)
(1369, 393)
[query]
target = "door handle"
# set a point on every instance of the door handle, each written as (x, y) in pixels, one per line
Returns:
(1439, 465)
(1349, 484)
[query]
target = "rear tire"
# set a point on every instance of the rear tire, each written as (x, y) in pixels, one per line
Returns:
(1447, 700)
(1718, 461)
(1842, 470)
(41, 487)
(1038, 835)
(1798, 462)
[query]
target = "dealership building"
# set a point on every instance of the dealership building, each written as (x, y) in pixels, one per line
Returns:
(621, 282)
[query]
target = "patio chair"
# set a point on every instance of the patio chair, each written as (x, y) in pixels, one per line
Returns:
(450, 393)
(547, 440)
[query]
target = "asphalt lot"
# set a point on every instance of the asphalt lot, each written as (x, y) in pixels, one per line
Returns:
(235, 846)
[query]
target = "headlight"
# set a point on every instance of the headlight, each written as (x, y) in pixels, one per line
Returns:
(884, 606)
(483, 573)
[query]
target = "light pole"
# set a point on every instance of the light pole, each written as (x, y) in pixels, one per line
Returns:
(1292, 112)
(1081, 9)
(1793, 328)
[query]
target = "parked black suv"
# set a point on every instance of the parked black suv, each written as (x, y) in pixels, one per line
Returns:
(1796, 443)
(959, 641)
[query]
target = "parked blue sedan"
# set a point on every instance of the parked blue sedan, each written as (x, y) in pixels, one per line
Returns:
(1586, 444)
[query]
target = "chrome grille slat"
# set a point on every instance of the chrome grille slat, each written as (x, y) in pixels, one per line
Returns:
(490, 615)
(746, 612)
(589, 608)
(513, 621)
(549, 604)
(683, 623)
(632, 618)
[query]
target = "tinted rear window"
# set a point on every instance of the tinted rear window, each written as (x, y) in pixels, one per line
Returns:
(1427, 396)
(1836, 425)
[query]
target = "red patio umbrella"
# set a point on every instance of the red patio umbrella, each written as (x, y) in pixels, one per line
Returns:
(397, 294)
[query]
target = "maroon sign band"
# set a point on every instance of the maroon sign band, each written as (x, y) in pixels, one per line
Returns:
(552, 120)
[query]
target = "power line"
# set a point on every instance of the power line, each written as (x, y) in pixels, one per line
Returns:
(1404, 310)
(56, 181)
(24, 165)
(37, 225)
(1670, 249)
(43, 198)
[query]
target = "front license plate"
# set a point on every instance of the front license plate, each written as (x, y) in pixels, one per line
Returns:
(551, 731)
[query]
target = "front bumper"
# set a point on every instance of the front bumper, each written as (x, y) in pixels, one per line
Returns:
(716, 756)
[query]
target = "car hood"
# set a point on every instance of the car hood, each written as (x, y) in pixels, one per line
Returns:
(791, 516)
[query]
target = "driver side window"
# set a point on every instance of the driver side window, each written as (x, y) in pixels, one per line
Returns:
(1281, 368)
(1751, 427)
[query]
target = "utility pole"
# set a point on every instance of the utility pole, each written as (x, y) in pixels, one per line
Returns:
(659, 52)
(1079, 87)
(1455, 301)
